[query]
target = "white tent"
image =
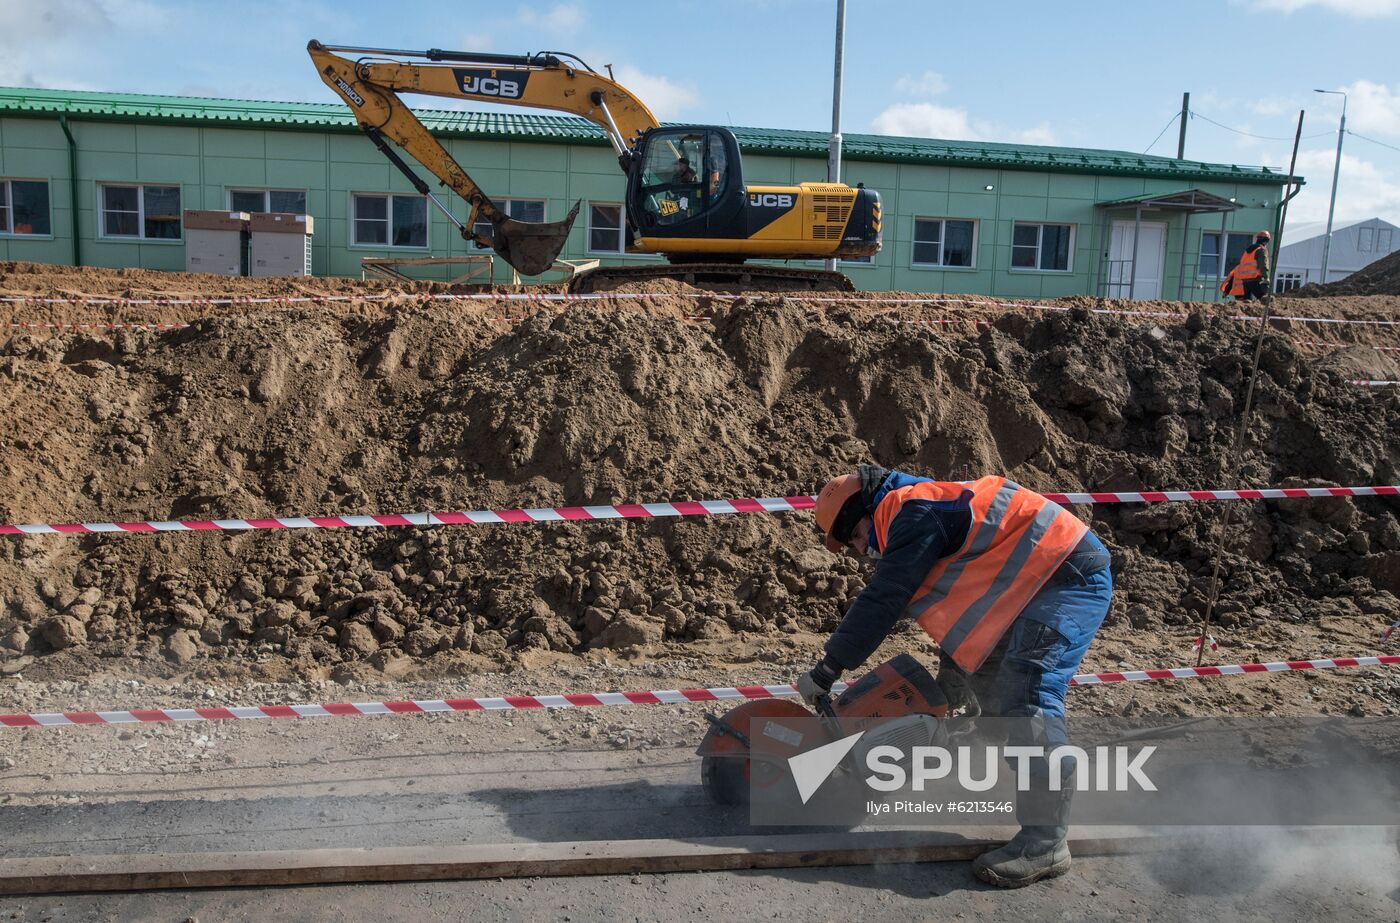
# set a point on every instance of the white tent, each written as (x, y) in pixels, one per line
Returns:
(1355, 244)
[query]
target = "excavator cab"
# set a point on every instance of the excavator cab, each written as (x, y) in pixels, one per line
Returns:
(687, 183)
(687, 199)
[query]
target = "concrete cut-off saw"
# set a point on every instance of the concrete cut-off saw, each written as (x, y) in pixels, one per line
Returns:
(898, 703)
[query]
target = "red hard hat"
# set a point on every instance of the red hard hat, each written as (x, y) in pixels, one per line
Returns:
(829, 502)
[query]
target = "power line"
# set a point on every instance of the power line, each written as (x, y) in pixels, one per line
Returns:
(1175, 116)
(1372, 140)
(1250, 134)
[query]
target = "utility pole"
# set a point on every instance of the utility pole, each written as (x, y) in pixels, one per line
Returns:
(833, 159)
(1336, 171)
(1181, 137)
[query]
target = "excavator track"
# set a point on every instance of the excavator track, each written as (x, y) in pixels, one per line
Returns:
(724, 275)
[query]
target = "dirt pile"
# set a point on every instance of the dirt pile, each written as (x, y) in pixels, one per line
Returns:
(319, 411)
(1379, 278)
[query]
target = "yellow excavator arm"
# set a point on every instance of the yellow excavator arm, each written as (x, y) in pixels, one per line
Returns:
(370, 86)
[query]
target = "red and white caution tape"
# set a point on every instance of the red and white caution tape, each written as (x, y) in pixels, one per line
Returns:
(645, 511)
(548, 297)
(1385, 635)
(1372, 382)
(197, 300)
(1384, 349)
(1214, 645)
(475, 517)
(95, 326)
(593, 699)
(872, 298)
(1232, 669)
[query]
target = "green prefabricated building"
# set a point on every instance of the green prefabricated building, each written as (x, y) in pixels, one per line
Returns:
(100, 179)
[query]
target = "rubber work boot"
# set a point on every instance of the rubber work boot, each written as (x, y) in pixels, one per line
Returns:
(1040, 849)
(1029, 857)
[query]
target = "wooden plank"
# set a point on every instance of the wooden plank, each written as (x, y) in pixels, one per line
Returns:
(51, 875)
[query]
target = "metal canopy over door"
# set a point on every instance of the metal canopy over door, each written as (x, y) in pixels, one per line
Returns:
(1151, 260)
(1123, 272)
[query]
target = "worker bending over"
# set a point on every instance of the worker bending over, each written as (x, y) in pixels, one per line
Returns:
(1011, 585)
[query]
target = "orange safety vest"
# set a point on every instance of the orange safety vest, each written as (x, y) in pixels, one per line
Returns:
(1248, 268)
(1015, 542)
(1246, 271)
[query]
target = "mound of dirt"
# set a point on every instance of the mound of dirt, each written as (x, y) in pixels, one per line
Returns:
(320, 411)
(1379, 278)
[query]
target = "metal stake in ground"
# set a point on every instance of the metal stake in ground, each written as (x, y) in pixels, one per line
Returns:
(1228, 519)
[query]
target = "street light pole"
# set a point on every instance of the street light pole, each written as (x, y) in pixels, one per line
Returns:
(833, 160)
(1336, 170)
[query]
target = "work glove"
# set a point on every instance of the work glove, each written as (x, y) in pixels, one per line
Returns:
(812, 686)
(957, 689)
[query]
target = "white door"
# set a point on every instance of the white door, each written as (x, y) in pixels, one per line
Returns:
(1146, 282)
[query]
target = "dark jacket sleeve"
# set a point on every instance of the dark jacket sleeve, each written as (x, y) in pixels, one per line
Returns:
(920, 534)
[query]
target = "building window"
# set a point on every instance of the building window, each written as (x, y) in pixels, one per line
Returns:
(519, 209)
(1235, 245)
(1383, 236)
(391, 220)
(24, 207)
(1288, 281)
(605, 228)
(1366, 239)
(141, 212)
(944, 242)
(287, 201)
(1042, 246)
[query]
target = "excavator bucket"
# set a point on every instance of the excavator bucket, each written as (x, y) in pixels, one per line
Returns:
(531, 246)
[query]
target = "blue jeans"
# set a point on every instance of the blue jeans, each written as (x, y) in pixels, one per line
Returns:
(1029, 670)
(1027, 675)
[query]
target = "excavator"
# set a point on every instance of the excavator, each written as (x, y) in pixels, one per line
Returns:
(686, 198)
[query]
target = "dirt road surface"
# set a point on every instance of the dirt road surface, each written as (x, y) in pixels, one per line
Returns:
(549, 777)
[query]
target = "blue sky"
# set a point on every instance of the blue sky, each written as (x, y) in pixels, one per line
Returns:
(1076, 73)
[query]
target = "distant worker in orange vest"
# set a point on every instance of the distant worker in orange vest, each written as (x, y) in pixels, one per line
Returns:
(1012, 587)
(1250, 277)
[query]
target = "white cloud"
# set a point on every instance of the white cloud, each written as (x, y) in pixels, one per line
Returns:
(100, 45)
(1361, 9)
(35, 38)
(1271, 106)
(561, 18)
(1373, 107)
(927, 120)
(924, 120)
(929, 83)
(665, 98)
(1365, 190)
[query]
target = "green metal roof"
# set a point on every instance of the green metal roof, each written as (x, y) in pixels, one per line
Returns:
(510, 126)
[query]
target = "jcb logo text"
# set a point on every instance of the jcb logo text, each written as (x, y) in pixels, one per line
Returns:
(491, 86)
(770, 200)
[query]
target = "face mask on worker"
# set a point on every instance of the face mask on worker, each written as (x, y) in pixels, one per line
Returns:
(872, 552)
